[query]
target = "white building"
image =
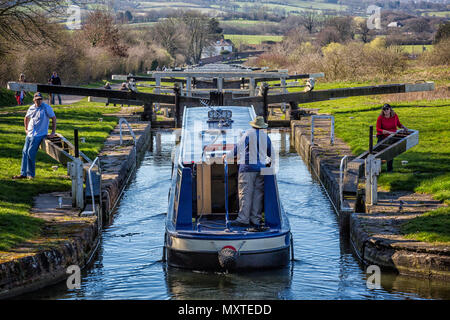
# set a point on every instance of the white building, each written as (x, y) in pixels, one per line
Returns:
(395, 24)
(217, 48)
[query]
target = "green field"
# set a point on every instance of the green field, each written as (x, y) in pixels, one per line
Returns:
(251, 39)
(16, 223)
(437, 13)
(288, 6)
(246, 23)
(416, 49)
(296, 5)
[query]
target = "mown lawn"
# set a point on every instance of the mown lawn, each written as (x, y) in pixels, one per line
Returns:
(252, 39)
(433, 226)
(16, 224)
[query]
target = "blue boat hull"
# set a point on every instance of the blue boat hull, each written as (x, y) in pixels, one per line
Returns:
(209, 261)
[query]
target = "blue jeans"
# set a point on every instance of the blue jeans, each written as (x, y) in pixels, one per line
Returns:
(29, 155)
(53, 98)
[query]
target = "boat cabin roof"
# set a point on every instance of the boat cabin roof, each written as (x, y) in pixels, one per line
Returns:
(211, 131)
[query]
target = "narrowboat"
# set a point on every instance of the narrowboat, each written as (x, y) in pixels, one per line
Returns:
(203, 198)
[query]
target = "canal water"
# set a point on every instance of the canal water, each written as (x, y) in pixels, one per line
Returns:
(128, 264)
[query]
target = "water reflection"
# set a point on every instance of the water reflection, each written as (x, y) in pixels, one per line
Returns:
(185, 284)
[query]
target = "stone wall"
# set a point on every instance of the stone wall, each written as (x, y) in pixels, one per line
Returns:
(322, 158)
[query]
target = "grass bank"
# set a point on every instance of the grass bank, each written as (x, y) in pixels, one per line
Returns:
(16, 224)
(433, 226)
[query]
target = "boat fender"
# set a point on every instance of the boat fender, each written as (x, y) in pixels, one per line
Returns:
(227, 257)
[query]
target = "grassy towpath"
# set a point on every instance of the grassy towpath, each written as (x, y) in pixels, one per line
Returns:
(16, 224)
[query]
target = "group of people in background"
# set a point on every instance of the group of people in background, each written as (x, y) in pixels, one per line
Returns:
(53, 80)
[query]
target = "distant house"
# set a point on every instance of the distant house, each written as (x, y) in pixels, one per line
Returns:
(395, 24)
(217, 48)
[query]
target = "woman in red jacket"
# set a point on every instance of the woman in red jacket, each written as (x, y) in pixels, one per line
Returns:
(387, 123)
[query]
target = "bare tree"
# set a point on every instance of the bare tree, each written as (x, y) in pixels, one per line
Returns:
(344, 26)
(167, 33)
(364, 31)
(200, 32)
(309, 19)
(27, 22)
(101, 31)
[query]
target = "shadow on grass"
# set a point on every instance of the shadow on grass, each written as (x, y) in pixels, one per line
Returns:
(17, 227)
(433, 226)
(21, 192)
(425, 171)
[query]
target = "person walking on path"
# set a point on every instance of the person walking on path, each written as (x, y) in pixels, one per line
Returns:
(36, 123)
(387, 123)
(253, 151)
(56, 81)
(107, 86)
(20, 95)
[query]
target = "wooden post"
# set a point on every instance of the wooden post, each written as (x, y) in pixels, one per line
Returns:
(252, 87)
(294, 110)
(148, 112)
(77, 149)
(283, 85)
(188, 87)
(158, 143)
(283, 141)
(158, 88)
(266, 106)
(373, 168)
(76, 173)
(370, 139)
(177, 107)
(220, 85)
(287, 112)
(75, 169)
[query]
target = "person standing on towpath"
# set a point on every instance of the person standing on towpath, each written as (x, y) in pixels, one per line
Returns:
(36, 123)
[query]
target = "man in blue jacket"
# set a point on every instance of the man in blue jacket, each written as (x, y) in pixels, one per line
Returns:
(36, 123)
(253, 151)
(56, 81)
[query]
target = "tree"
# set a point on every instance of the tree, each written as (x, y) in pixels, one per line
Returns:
(154, 65)
(309, 19)
(343, 26)
(128, 16)
(199, 33)
(419, 25)
(100, 31)
(364, 31)
(167, 33)
(26, 22)
(328, 35)
(443, 32)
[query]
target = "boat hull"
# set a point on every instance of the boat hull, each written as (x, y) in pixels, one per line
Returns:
(267, 259)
